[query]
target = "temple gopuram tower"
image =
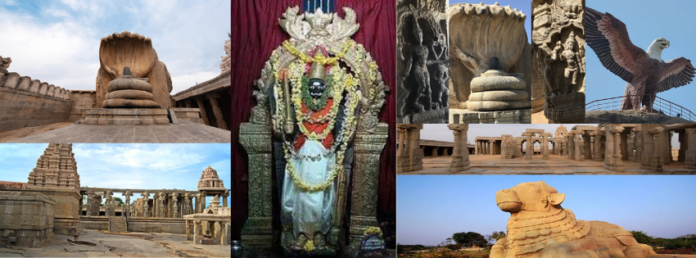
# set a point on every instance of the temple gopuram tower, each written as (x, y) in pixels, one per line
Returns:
(561, 131)
(56, 176)
(211, 185)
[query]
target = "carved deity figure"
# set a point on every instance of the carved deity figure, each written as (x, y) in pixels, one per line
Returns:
(160, 206)
(175, 208)
(187, 204)
(308, 211)
(571, 58)
(441, 89)
(416, 62)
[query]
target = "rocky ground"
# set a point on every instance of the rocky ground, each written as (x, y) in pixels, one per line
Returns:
(92, 243)
(631, 117)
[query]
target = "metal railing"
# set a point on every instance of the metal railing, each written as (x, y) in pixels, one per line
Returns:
(660, 105)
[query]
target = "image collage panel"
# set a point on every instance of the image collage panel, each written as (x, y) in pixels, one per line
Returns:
(115, 129)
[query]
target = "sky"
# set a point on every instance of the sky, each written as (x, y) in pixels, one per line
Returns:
(58, 41)
(522, 5)
(432, 208)
(440, 132)
(141, 166)
(646, 21)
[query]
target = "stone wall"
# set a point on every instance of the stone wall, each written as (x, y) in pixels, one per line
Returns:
(172, 226)
(26, 219)
(81, 100)
(25, 102)
(189, 114)
(95, 223)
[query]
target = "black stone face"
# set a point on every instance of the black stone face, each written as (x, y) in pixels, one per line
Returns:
(316, 88)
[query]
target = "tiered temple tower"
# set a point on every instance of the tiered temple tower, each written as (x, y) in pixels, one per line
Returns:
(55, 168)
(56, 176)
(210, 179)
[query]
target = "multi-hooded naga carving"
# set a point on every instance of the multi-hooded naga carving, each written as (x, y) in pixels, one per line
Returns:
(318, 93)
(422, 66)
(559, 59)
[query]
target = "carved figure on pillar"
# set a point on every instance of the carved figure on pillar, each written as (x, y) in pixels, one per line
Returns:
(460, 155)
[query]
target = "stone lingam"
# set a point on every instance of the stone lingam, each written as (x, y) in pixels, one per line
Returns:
(129, 101)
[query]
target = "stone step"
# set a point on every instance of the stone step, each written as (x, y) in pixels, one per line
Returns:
(118, 224)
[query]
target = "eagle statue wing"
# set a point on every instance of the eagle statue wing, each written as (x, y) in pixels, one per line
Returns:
(675, 73)
(607, 36)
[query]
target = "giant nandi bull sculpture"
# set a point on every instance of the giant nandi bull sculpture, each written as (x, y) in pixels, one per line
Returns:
(540, 227)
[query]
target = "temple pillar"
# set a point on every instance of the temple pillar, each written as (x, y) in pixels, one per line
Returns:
(651, 157)
(201, 109)
(188, 103)
(690, 159)
(224, 198)
(212, 97)
(612, 157)
(363, 210)
(460, 154)
(545, 145)
(587, 145)
(197, 227)
(434, 151)
(624, 145)
(597, 145)
(665, 146)
(188, 230)
(403, 162)
(529, 148)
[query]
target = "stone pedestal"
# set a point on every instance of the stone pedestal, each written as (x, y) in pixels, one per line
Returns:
(27, 219)
(257, 231)
(123, 116)
(460, 155)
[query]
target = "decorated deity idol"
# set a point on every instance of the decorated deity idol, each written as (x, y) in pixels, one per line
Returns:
(318, 101)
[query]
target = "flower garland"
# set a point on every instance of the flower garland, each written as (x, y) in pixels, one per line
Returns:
(322, 59)
(346, 133)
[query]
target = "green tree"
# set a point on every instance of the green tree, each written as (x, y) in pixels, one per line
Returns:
(470, 238)
(498, 235)
(642, 238)
(119, 200)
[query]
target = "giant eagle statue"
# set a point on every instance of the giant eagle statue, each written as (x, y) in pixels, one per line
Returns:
(645, 72)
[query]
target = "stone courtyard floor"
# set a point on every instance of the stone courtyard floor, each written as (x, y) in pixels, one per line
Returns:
(28, 131)
(121, 245)
(555, 165)
(184, 132)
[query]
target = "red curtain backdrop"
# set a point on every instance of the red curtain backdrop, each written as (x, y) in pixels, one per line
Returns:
(256, 33)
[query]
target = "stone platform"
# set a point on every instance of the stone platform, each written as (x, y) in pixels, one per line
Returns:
(465, 116)
(124, 116)
(184, 132)
(555, 165)
(436, 116)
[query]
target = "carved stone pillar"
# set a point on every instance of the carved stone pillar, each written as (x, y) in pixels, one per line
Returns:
(638, 139)
(197, 236)
(216, 110)
(530, 145)
(201, 108)
(664, 145)
(624, 145)
(146, 197)
(558, 65)
(612, 157)
(224, 198)
(690, 158)
(578, 155)
(126, 208)
(651, 159)
(587, 145)
(597, 145)
(545, 145)
(188, 103)
(403, 162)
(368, 148)
(255, 136)
(175, 205)
(188, 230)
(460, 154)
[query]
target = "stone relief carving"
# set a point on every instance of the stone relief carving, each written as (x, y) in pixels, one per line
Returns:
(4, 64)
(423, 58)
(558, 39)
